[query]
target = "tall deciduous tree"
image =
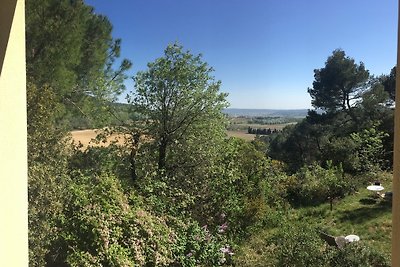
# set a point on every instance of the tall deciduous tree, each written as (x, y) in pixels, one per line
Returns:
(182, 103)
(339, 84)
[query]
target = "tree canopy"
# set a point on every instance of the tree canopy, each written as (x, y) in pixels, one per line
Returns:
(339, 84)
(180, 100)
(71, 49)
(389, 83)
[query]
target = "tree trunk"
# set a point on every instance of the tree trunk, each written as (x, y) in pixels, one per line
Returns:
(162, 153)
(135, 148)
(133, 165)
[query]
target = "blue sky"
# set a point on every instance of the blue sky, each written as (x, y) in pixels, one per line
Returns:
(263, 51)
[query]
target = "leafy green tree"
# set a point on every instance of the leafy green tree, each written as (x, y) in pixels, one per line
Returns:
(339, 84)
(47, 173)
(300, 144)
(70, 66)
(314, 184)
(352, 102)
(70, 48)
(389, 83)
(181, 102)
(370, 149)
(373, 104)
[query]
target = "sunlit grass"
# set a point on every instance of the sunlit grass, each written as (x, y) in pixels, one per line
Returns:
(362, 213)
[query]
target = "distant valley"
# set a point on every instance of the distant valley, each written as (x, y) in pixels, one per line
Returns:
(293, 113)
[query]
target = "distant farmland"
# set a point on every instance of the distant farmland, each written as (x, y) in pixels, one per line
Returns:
(85, 137)
(291, 113)
(241, 134)
(238, 127)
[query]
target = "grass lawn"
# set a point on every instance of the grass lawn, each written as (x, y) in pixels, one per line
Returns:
(362, 213)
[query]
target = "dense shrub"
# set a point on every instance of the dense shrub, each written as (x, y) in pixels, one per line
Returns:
(357, 255)
(46, 199)
(298, 244)
(313, 185)
(292, 244)
(96, 160)
(370, 150)
(99, 227)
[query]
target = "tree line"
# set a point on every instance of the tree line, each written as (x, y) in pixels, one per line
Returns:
(352, 123)
(262, 131)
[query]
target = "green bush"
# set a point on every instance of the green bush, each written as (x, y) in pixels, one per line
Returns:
(46, 198)
(357, 255)
(297, 244)
(313, 185)
(99, 227)
(292, 244)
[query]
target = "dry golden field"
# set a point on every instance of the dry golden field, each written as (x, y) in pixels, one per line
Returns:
(86, 137)
(241, 134)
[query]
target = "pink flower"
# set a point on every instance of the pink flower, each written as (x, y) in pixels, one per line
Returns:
(222, 228)
(226, 250)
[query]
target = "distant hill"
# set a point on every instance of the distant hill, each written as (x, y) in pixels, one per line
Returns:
(293, 113)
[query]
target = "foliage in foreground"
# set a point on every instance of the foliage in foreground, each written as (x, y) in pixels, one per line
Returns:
(101, 225)
(298, 244)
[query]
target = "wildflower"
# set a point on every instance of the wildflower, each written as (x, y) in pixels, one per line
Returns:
(222, 228)
(226, 250)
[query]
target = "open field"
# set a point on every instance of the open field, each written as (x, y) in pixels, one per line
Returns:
(245, 126)
(85, 137)
(241, 134)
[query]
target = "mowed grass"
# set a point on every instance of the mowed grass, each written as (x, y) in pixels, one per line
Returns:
(363, 213)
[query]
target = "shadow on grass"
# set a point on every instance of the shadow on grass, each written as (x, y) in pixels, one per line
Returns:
(368, 201)
(366, 213)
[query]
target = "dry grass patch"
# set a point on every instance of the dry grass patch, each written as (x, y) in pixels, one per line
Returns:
(87, 138)
(240, 134)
